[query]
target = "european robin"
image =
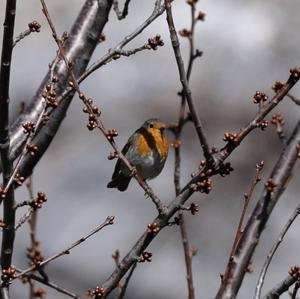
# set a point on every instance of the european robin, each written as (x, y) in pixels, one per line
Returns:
(146, 150)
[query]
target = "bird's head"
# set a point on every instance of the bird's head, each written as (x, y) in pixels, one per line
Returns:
(154, 125)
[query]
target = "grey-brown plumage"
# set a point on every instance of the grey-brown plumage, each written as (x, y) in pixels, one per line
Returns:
(146, 150)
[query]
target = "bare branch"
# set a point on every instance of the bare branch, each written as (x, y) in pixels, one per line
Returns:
(109, 221)
(254, 123)
(247, 199)
(182, 120)
(272, 252)
(4, 293)
(295, 290)
(121, 14)
(282, 287)
(49, 284)
(275, 186)
(188, 256)
(78, 47)
(33, 27)
(24, 218)
(29, 138)
(8, 237)
(185, 85)
(278, 121)
(32, 221)
(293, 98)
(157, 11)
(125, 285)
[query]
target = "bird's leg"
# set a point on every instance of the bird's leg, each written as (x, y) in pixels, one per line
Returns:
(133, 171)
(147, 189)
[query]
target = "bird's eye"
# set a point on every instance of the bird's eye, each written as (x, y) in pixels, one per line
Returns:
(151, 126)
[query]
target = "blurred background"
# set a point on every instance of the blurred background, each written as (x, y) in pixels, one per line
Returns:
(246, 46)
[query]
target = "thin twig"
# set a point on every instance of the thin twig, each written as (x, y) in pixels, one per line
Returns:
(21, 36)
(116, 258)
(278, 121)
(109, 221)
(188, 256)
(24, 218)
(123, 287)
(4, 293)
(32, 221)
(177, 146)
(157, 11)
(271, 253)
(23, 204)
(29, 139)
(50, 284)
(121, 14)
(185, 85)
(247, 199)
(281, 134)
(33, 26)
(128, 53)
(294, 99)
(262, 113)
(295, 290)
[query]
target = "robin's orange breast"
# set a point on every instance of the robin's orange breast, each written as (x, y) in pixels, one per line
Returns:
(143, 146)
(161, 142)
(152, 139)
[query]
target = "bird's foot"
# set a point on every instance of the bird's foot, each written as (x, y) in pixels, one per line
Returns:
(133, 171)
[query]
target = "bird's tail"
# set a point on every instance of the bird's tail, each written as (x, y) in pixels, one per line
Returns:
(121, 182)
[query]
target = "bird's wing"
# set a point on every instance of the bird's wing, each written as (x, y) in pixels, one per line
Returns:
(124, 151)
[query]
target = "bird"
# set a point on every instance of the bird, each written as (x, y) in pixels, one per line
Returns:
(146, 150)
